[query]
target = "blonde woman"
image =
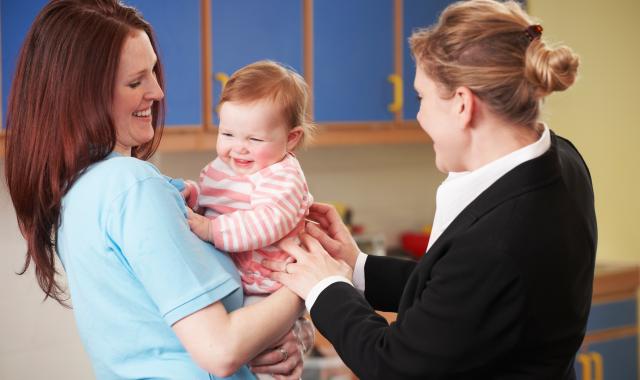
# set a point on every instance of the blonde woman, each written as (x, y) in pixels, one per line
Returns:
(504, 289)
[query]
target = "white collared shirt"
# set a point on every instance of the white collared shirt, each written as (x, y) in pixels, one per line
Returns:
(455, 193)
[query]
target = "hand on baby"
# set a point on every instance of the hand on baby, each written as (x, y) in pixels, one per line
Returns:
(199, 225)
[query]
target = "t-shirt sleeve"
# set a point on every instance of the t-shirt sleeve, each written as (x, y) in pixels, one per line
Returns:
(180, 273)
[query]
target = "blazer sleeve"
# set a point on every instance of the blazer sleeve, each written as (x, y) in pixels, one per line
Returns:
(385, 279)
(467, 314)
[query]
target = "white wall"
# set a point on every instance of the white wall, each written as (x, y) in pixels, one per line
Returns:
(390, 188)
(37, 340)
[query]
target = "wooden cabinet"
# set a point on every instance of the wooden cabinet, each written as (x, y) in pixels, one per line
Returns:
(353, 53)
(251, 30)
(610, 348)
(415, 14)
(15, 20)
(353, 57)
(177, 26)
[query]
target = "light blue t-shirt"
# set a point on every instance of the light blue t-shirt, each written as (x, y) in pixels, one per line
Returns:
(134, 268)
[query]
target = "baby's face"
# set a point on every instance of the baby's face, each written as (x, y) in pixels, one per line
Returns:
(251, 136)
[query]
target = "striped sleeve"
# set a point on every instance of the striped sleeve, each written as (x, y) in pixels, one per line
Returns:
(279, 203)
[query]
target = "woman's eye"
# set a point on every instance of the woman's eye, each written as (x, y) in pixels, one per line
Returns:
(227, 134)
(134, 84)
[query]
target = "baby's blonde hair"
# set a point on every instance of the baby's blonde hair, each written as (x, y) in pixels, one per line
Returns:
(268, 80)
(483, 45)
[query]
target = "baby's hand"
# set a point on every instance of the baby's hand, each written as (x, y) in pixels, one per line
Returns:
(199, 225)
(186, 192)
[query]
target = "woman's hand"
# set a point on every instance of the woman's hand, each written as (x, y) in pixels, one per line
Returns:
(285, 359)
(332, 234)
(199, 225)
(312, 265)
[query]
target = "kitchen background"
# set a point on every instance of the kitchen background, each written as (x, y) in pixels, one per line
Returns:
(390, 187)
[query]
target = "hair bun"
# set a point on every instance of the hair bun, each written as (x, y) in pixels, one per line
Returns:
(550, 69)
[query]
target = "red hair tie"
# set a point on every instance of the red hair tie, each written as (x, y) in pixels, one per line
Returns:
(533, 32)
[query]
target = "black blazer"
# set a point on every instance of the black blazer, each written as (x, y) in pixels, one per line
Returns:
(504, 292)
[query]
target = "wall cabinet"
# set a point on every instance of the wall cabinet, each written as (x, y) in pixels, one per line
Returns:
(15, 20)
(354, 54)
(352, 59)
(178, 29)
(251, 30)
(415, 14)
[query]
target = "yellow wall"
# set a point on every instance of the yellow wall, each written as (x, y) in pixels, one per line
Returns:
(601, 112)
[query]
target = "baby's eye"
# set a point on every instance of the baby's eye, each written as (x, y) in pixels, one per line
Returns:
(255, 139)
(226, 134)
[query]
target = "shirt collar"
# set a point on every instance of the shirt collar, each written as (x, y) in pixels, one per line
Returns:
(459, 189)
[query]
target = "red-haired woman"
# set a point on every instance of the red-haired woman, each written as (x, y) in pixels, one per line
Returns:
(151, 300)
(503, 291)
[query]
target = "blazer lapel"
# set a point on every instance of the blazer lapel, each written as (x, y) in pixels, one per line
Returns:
(523, 178)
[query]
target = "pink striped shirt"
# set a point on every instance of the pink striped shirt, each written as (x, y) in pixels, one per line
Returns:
(251, 213)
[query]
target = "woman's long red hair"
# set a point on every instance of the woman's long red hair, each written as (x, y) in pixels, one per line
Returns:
(58, 116)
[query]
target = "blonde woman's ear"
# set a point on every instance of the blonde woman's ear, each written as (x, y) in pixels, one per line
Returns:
(465, 105)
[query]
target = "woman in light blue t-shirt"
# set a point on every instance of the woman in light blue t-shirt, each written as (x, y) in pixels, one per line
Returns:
(151, 299)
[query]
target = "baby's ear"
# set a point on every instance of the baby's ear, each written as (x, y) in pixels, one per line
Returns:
(293, 138)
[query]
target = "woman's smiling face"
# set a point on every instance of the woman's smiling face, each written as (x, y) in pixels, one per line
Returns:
(135, 90)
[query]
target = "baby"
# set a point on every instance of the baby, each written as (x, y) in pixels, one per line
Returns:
(254, 193)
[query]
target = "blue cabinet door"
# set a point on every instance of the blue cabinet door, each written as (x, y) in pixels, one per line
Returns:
(15, 20)
(615, 359)
(177, 25)
(245, 31)
(352, 59)
(416, 14)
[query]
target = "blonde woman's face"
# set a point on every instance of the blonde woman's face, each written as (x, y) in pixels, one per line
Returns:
(437, 117)
(135, 90)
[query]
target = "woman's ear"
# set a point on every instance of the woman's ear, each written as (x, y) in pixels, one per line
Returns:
(465, 106)
(293, 138)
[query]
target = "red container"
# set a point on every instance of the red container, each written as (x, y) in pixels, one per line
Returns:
(415, 243)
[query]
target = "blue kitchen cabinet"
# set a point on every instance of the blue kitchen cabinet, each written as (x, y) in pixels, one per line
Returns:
(416, 14)
(352, 60)
(177, 25)
(245, 31)
(615, 359)
(15, 20)
(610, 347)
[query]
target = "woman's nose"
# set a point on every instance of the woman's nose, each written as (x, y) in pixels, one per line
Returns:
(155, 91)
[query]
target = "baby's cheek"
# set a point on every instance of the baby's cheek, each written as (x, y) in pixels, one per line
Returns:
(266, 156)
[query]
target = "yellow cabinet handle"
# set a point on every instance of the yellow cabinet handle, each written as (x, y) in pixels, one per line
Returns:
(396, 81)
(222, 78)
(598, 368)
